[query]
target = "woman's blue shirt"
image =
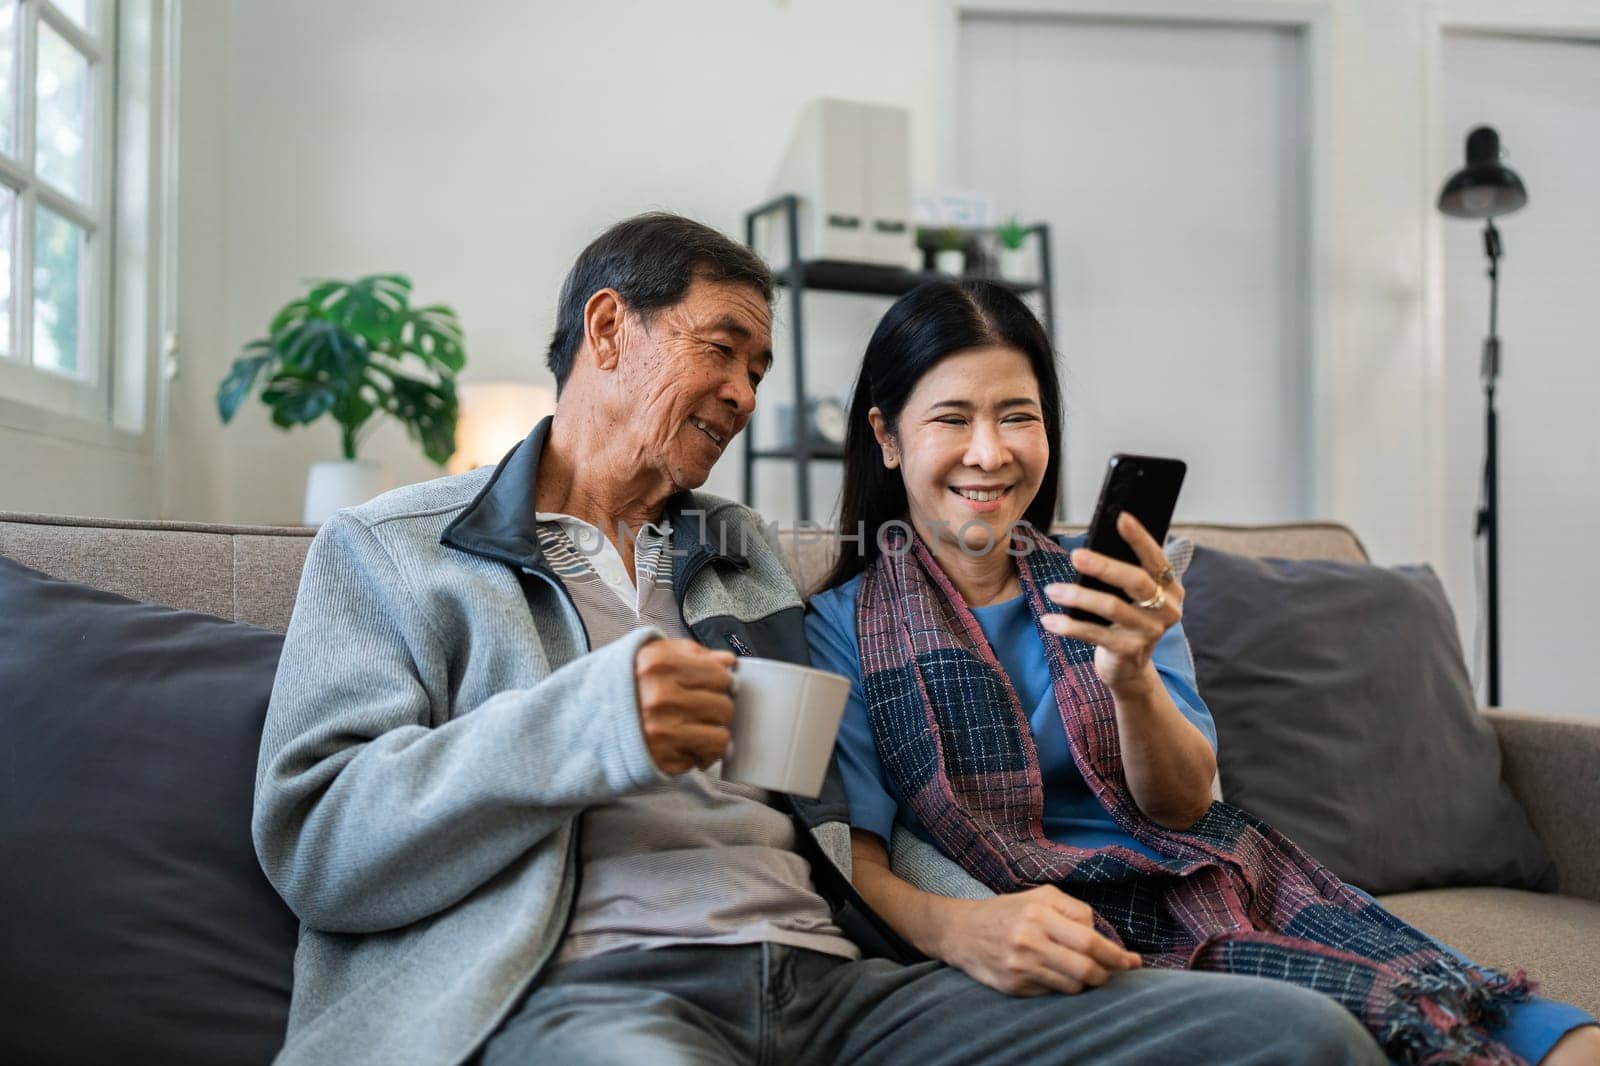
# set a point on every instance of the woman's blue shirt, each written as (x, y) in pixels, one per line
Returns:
(1071, 813)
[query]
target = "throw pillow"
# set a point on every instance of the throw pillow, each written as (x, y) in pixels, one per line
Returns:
(137, 924)
(1345, 718)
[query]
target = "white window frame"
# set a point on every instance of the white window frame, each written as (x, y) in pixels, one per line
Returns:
(86, 394)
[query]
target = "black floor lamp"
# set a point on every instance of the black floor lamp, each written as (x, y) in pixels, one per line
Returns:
(1484, 188)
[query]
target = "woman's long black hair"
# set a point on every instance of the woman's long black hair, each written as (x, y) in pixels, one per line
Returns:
(935, 320)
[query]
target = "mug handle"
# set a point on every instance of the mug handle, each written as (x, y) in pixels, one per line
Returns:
(733, 693)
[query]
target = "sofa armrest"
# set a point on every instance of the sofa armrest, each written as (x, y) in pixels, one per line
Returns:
(1552, 766)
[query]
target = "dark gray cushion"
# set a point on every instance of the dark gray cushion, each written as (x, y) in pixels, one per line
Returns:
(135, 921)
(1346, 719)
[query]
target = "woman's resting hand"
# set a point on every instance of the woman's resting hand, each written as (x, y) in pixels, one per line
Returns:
(1032, 943)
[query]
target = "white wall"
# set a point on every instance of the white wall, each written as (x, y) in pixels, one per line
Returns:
(1544, 98)
(478, 145)
(59, 475)
(191, 484)
(1179, 282)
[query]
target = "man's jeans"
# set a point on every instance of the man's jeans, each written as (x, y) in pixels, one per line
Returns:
(765, 1003)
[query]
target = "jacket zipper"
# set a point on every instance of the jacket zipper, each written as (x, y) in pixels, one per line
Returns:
(574, 850)
(804, 826)
(573, 617)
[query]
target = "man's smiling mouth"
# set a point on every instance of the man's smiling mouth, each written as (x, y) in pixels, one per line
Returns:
(708, 431)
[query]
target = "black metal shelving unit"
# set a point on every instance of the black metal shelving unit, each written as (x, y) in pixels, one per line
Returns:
(866, 279)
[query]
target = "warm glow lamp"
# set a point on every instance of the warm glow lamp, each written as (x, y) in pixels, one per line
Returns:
(494, 416)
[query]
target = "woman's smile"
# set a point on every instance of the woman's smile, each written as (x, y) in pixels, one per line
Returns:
(983, 499)
(971, 448)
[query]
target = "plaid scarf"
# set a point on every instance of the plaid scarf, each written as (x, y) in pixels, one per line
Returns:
(1229, 894)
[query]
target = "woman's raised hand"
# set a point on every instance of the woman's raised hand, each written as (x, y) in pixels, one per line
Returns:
(1032, 943)
(1123, 649)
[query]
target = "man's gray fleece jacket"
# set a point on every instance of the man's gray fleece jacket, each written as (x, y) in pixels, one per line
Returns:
(437, 725)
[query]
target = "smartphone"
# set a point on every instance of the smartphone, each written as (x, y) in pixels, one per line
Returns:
(1148, 487)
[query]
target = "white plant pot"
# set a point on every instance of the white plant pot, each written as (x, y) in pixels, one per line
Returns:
(1014, 264)
(341, 483)
(953, 263)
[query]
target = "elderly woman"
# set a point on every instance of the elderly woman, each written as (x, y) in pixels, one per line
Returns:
(1068, 765)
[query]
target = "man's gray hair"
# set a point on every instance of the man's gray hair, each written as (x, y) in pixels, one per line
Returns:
(650, 260)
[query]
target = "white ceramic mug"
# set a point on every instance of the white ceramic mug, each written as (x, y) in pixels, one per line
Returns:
(785, 720)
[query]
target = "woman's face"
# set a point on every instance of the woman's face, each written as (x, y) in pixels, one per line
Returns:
(971, 447)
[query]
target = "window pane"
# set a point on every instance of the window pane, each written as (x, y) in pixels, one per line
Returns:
(8, 214)
(61, 155)
(59, 253)
(8, 75)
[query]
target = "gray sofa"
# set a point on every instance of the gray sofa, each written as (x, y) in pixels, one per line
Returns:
(1552, 765)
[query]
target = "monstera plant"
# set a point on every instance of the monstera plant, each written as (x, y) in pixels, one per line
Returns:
(356, 351)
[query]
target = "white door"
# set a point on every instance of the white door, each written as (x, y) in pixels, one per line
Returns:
(1168, 160)
(1543, 96)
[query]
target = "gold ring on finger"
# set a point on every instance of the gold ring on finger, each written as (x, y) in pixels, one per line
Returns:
(1166, 577)
(1154, 603)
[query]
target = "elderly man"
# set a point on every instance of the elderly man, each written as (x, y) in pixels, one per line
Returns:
(488, 781)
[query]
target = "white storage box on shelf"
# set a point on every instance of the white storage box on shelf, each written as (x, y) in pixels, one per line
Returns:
(849, 164)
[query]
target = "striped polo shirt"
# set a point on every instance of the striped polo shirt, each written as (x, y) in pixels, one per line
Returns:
(695, 860)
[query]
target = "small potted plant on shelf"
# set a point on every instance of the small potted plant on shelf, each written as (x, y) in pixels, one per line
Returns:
(1010, 237)
(355, 351)
(951, 254)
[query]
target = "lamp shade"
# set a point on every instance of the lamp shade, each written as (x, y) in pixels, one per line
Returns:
(1485, 187)
(494, 416)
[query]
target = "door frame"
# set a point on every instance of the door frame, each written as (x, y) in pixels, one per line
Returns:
(1312, 19)
(1558, 20)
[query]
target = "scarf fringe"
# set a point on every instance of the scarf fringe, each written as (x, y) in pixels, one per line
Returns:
(1440, 1014)
(983, 803)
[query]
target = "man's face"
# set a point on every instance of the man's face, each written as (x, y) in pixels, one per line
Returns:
(692, 371)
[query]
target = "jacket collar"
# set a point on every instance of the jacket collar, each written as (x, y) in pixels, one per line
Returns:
(499, 523)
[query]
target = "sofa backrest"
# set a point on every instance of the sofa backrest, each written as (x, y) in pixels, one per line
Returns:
(252, 573)
(811, 556)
